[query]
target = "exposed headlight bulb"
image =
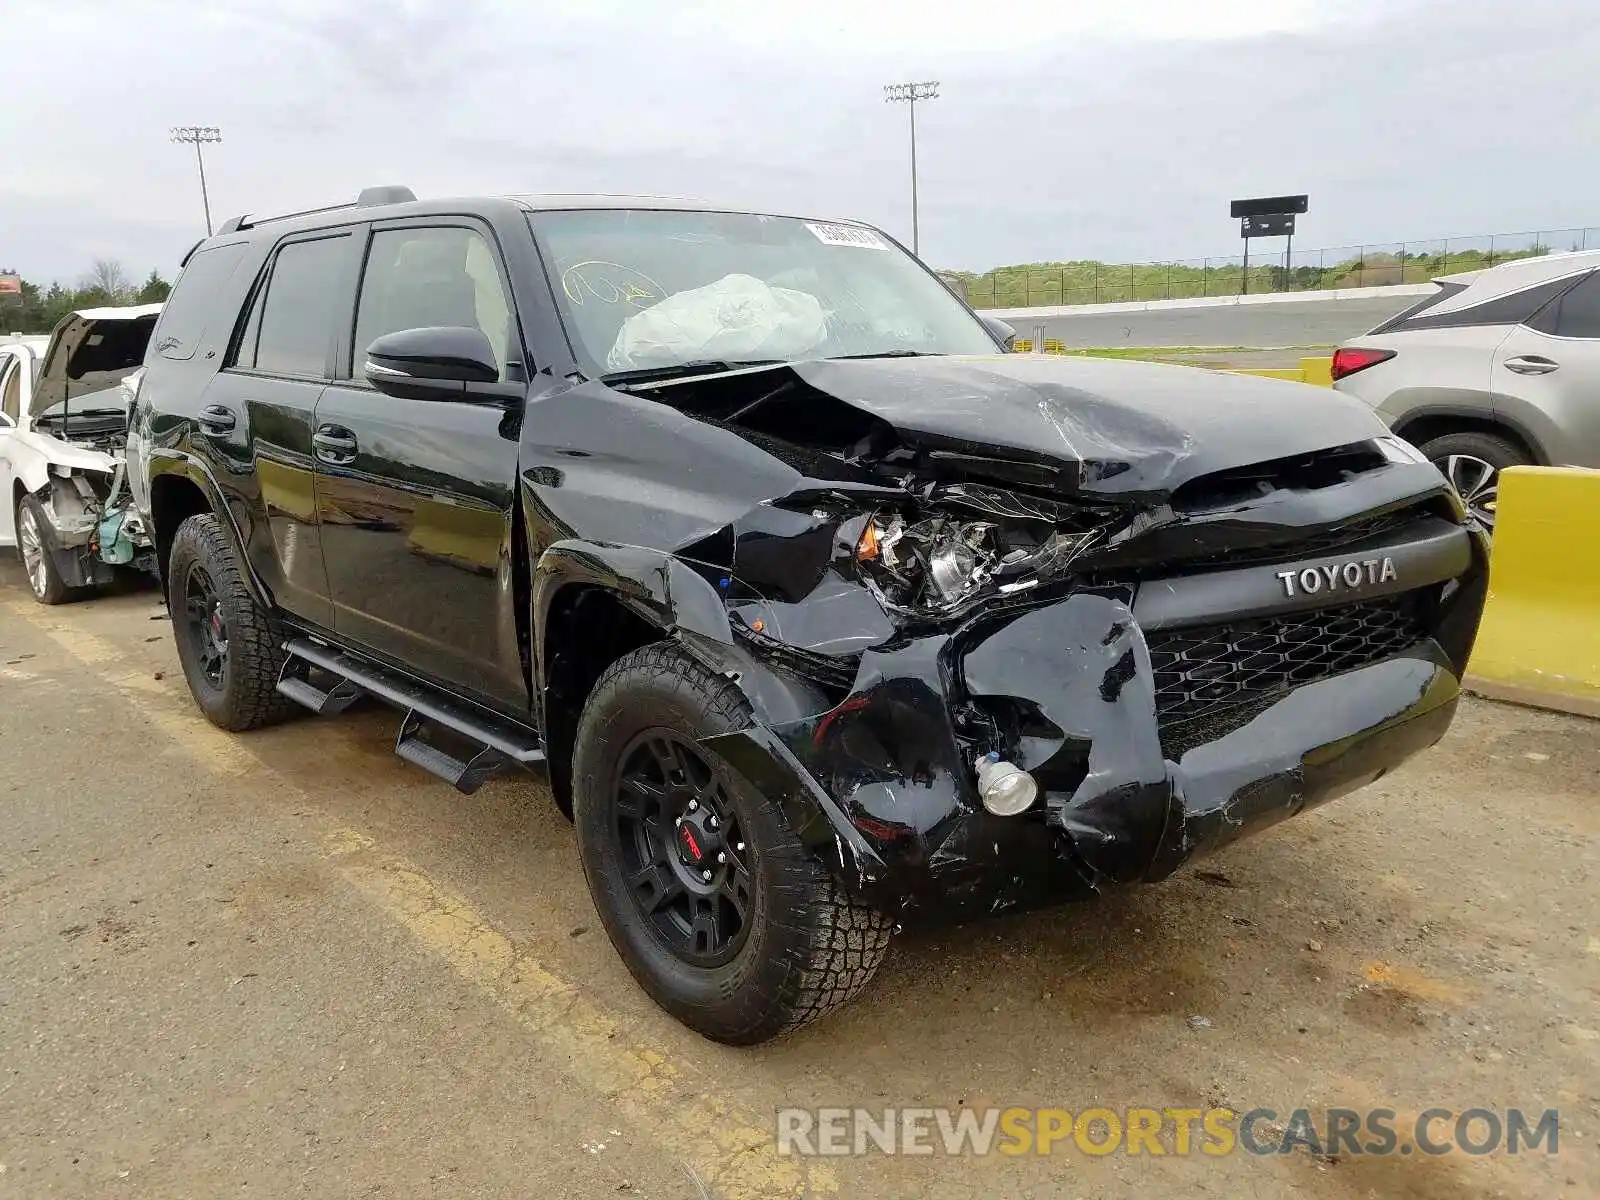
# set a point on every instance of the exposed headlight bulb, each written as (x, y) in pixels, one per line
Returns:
(952, 567)
(1005, 788)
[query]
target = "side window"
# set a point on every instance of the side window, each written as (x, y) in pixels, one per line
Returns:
(293, 321)
(193, 302)
(444, 275)
(1575, 315)
(244, 353)
(11, 386)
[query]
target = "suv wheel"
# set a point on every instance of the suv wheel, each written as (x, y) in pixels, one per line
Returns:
(34, 545)
(716, 907)
(1472, 462)
(230, 648)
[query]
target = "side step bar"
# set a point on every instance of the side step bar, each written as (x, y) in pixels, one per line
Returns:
(500, 744)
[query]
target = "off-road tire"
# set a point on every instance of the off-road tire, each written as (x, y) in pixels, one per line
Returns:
(55, 590)
(248, 697)
(810, 946)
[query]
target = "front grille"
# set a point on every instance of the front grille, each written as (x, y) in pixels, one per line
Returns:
(1208, 671)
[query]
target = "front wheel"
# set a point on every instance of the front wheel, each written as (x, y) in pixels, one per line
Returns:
(721, 914)
(35, 544)
(231, 649)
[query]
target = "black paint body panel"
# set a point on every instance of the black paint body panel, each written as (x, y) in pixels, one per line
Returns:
(723, 512)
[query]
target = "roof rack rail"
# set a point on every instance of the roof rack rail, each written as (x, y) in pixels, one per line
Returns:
(369, 197)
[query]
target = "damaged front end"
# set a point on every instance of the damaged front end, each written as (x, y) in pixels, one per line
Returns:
(91, 525)
(69, 452)
(1023, 675)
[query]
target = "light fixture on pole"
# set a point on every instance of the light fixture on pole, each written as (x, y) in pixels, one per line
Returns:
(910, 93)
(197, 135)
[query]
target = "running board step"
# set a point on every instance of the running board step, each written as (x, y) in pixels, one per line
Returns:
(465, 775)
(325, 704)
(500, 744)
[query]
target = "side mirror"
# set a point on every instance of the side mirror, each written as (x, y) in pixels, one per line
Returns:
(439, 362)
(1001, 332)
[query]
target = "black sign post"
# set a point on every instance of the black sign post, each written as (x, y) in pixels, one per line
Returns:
(1268, 216)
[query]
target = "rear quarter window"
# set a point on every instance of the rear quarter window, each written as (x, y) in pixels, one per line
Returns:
(193, 305)
(1511, 309)
(1575, 314)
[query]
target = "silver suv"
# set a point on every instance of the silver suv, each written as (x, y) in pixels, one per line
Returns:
(1497, 368)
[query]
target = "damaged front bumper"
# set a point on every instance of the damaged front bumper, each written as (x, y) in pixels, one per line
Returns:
(92, 527)
(1140, 765)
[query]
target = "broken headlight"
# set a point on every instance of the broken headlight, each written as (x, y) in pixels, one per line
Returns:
(938, 558)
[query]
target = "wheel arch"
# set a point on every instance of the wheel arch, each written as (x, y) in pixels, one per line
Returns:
(592, 604)
(181, 488)
(1425, 424)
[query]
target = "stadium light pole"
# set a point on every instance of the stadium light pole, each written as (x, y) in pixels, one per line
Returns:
(197, 135)
(909, 94)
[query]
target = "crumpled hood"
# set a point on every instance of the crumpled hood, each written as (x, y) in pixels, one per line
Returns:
(91, 350)
(1130, 426)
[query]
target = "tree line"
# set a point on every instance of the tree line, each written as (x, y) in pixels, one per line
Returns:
(39, 309)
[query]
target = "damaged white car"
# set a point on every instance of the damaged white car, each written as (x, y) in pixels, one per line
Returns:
(64, 405)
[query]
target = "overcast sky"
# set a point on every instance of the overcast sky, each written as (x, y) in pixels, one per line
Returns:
(1114, 129)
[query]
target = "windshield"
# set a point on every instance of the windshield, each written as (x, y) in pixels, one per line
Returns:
(643, 290)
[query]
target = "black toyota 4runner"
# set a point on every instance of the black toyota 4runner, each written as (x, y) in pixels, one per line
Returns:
(823, 612)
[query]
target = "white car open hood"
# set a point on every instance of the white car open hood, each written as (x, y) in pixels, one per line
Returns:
(91, 350)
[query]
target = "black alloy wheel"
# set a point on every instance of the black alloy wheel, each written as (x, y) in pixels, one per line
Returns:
(683, 851)
(206, 625)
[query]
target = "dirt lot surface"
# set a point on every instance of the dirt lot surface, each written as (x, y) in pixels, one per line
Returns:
(288, 964)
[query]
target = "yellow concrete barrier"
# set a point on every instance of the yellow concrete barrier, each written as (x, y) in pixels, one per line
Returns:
(1318, 371)
(1292, 374)
(1540, 638)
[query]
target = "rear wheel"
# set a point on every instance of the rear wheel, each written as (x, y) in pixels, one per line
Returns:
(231, 649)
(722, 915)
(1472, 462)
(34, 544)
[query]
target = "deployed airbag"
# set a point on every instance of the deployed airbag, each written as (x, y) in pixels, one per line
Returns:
(738, 318)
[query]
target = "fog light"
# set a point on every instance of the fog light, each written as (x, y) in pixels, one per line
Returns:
(1005, 788)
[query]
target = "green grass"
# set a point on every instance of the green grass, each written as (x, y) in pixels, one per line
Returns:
(1090, 282)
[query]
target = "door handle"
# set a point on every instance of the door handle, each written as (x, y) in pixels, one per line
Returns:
(217, 420)
(1531, 364)
(335, 445)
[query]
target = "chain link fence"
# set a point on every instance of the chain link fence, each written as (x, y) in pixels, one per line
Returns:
(1302, 271)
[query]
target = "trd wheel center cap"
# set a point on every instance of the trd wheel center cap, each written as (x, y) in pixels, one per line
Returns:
(696, 840)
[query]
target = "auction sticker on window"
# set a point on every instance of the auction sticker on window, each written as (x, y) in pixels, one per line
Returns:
(847, 235)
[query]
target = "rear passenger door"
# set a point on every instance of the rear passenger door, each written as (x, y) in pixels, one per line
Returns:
(1547, 375)
(415, 497)
(259, 409)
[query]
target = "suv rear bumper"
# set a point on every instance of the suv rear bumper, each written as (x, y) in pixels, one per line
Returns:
(883, 783)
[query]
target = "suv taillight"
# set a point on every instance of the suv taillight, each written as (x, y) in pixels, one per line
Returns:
(1349, 361)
